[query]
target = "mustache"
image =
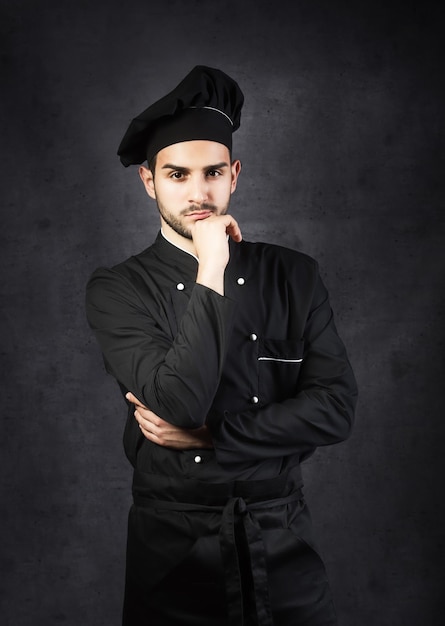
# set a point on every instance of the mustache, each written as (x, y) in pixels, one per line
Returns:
(205, 206)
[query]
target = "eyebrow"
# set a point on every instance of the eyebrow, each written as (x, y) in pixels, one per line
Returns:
(180, 168)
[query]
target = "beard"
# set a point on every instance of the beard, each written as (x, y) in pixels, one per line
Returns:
(175, 222)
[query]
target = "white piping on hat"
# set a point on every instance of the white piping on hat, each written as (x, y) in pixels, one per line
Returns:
(213, 109)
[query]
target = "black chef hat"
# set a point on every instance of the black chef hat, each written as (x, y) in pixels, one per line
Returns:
(205, 105)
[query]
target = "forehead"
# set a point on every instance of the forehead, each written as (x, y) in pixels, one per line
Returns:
(198, 153)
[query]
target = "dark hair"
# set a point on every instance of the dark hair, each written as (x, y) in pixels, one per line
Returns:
(152, 164)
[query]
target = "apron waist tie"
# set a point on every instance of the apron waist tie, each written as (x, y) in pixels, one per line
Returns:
(240, 533)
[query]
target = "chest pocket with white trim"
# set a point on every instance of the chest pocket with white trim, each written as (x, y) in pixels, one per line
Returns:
(279, 363)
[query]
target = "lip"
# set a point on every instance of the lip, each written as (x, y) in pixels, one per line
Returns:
(200, 215)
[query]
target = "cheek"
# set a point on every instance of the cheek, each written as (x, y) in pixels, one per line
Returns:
(175, 195)
(223, 191)
(167, 194)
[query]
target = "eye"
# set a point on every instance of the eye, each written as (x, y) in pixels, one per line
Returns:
(177, 175)
(213, 173)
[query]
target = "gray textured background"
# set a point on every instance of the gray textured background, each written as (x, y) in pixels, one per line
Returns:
(341, 141)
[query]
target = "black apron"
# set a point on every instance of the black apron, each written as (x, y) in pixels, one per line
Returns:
(224, 554)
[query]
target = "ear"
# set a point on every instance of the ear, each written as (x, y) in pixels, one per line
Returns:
(236, 169)
(148, 180)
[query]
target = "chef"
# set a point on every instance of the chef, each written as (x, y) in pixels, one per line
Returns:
(228, 358)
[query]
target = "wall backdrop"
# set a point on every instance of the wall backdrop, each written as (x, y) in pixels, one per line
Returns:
(343, 157)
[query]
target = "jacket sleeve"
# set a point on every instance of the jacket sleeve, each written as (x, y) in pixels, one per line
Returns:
(318, 411)
(176, 377)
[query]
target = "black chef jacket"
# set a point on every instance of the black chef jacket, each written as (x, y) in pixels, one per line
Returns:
(262, 366)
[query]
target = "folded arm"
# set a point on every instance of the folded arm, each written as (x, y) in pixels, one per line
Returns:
(318, 411)
(158, 431)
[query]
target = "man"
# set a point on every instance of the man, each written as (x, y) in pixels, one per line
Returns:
(228, 356)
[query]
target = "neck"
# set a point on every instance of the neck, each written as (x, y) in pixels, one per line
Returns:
(177, 240)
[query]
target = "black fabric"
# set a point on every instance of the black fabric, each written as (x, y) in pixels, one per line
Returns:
(264, 368)
(189, 356)
(247, 563)
(189, 125)
(240, 536)
(213, 103)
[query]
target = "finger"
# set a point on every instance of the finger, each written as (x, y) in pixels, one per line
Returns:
(139, 419)
(235, 233)
(151, 418)
(132, 398)
(233, 229)
(144, 420)
(148, 429)
(148, 434)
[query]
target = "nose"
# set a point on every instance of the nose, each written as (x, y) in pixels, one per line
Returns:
(198, 192)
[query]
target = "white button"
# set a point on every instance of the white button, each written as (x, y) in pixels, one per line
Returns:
(198, 459)
(253, 337)
(240, 281)
(254, 400)
(180, 287)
